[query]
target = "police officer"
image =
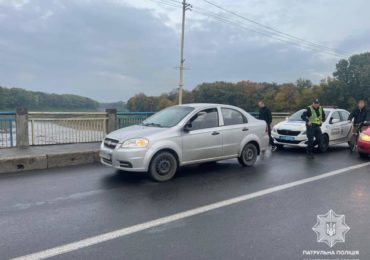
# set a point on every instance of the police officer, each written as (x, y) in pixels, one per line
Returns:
(265, 114)
(313, 116)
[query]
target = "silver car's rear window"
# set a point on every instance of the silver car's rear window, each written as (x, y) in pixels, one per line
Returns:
(168, 117)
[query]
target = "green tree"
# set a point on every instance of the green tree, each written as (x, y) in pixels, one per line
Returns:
(163, 103)
(353, 76)
(303, 83)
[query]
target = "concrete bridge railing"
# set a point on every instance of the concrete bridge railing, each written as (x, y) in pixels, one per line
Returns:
(23, 128)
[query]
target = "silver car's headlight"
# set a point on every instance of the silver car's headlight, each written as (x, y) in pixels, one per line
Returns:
(304, 132)
(274, 130)
(135, 143)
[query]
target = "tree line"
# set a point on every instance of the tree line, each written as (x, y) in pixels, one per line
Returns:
(349, 83)
(10, 98)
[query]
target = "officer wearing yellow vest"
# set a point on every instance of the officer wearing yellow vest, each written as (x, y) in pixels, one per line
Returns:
(313, 116)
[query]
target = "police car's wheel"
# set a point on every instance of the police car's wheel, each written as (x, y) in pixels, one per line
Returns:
(249, 155)
(323, 147)
(163, 167)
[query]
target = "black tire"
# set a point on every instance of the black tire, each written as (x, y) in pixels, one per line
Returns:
(364, 155)
(163, 167)
(323, 147)
(249, 155)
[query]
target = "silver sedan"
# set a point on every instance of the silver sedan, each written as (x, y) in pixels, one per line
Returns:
(183, 135)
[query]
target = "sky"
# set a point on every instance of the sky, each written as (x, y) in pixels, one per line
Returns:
(110, 50)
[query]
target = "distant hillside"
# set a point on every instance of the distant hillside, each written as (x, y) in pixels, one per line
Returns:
(10, 98)
(120, 106)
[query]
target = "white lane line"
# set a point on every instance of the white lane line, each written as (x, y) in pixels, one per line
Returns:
(181, 215)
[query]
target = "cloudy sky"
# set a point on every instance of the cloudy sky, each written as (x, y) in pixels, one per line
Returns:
(110, 50)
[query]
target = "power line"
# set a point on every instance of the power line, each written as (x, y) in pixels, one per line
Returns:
(264, 33)
(275, 30)
(171, 4)
(174, 1)
(263, 30)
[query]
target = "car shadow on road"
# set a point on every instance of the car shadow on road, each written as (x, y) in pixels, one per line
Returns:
(298, 150)
(199, 173)
(118, 177)
(227, 170)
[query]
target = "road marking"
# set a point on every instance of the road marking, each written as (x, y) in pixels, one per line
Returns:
(181, 215)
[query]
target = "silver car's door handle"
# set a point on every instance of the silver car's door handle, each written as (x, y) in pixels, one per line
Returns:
(215, 133)
(245, 129)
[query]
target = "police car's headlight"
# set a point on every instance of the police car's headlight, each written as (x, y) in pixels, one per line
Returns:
(274, 130)
(304, 132)
(365, 137)
(135, 143)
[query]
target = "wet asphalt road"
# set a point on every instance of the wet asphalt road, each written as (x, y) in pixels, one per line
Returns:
(49, 208)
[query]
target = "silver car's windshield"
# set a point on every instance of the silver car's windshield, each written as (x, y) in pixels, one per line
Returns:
(168, 117)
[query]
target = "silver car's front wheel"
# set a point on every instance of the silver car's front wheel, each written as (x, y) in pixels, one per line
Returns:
(163, 167)
(249, 155)
(324, 145)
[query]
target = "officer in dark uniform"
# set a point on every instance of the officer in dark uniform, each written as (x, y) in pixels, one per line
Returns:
(313, 116)
(359, 117)
(359, 114)
(265, 114)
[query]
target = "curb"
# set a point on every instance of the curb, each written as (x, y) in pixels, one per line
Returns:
(39, 162)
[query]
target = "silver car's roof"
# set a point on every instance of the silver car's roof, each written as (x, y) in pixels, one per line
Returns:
(200, 105)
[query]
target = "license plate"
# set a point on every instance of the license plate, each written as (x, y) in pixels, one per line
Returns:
(107, 156)
(287, 138)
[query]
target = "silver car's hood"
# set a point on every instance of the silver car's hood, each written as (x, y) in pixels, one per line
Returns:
(291, 125)
(135, 131)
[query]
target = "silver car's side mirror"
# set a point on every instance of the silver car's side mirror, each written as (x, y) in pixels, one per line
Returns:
(187, 127)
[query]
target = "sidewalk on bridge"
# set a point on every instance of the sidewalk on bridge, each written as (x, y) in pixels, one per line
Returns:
(47, 156)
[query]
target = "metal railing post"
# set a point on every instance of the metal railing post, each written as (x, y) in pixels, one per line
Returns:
(21, 118)
(105, 123)
(11, 132)
(33, 131)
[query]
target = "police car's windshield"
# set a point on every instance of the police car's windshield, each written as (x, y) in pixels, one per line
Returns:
(297, 115)
(168, 117)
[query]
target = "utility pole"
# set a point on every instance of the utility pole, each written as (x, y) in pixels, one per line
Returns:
(185, 7)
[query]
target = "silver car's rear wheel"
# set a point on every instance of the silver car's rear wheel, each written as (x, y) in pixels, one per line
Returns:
(163, 167)
(249, 155)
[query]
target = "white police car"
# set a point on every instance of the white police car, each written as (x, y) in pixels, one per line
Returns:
(292, 132)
